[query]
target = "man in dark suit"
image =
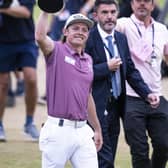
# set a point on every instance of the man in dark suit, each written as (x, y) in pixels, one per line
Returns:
(110, 67)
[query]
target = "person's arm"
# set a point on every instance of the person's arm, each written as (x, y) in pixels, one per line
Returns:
(16, 10)
(87, 7)
(45, 42)
(153, 99)
(94, 122)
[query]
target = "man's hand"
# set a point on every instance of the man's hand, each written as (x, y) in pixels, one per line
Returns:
(153, 99)
(98, 140)
(114, 64)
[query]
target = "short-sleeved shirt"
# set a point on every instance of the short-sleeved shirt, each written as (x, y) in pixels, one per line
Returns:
(13, 30)
(69, 80)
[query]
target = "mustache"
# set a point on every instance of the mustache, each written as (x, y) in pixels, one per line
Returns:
(110, 21)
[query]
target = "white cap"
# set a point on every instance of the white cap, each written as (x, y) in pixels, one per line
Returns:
(78, 18)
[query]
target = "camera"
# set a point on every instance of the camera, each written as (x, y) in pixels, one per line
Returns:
(5, 3)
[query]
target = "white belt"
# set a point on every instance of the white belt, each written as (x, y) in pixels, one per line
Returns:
(65, 122)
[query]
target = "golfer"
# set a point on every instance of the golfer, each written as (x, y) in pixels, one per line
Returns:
(66, 134)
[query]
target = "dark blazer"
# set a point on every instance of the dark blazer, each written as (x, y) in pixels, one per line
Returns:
(101, 83)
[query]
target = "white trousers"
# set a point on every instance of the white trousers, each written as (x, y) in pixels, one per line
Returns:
(62, 143)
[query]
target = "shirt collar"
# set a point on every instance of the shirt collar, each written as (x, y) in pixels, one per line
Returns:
(139, 22)
(73, 53)
(103, 34)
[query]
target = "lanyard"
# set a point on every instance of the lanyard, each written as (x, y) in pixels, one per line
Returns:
(140, 34)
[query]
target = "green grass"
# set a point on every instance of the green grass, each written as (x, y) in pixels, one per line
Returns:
(24, 154)
(17, 154)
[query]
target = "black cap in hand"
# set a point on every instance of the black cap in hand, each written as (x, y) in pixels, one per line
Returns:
(51, 6)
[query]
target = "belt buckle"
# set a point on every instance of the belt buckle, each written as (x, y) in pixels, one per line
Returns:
(61, 122)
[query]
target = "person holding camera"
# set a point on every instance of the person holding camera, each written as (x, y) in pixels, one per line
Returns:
(18, 51)
(148, 43)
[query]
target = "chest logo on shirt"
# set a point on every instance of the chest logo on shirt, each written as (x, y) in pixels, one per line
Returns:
(69, 60)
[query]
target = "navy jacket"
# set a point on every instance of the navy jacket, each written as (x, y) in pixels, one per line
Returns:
(101, 83)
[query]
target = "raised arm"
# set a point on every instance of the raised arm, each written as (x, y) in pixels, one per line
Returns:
(45, 42)
(16, 10)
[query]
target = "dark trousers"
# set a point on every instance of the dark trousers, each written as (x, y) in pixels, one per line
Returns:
(140, 121)
(110, 124)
